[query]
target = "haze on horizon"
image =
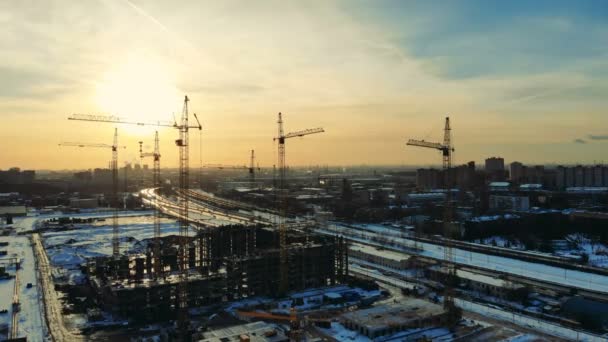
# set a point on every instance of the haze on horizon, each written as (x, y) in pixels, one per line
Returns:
(524, 80)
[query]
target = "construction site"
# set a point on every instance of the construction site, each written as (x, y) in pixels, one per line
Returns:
(174, 257)
(223, 264)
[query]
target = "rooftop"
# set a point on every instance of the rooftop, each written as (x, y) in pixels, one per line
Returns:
(257, 331)
(382, 316)
(388, 254)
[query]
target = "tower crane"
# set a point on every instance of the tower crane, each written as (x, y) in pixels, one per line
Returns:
(281, 137)
(156, 181)
(251, 168)
(447, 149)
(182, 143)
(114, 166)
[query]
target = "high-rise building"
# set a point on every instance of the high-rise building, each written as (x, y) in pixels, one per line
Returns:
(495, 169)
(495, 164)
(428, 178)
(516, 172)
(581, 176)
(463, 177)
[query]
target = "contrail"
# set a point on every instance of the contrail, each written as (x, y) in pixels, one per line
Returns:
(148, 16)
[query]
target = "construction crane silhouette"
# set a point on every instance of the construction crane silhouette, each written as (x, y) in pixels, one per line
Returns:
(446, 150)
(281, 137)
(156, 184)
(114, 167)
(251, 168)
(183, 144)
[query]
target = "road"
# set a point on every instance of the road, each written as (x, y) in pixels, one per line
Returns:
(15, 314)
(52, 305)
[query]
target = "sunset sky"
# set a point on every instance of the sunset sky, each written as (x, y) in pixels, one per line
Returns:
(525, 80)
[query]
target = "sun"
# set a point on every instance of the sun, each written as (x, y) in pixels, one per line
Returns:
(140, 89)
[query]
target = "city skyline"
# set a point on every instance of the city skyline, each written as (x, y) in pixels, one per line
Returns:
(524, 81)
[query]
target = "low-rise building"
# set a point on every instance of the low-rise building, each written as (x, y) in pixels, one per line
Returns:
(252, 332)
(482, 283)
(382, 257)
(389, 319)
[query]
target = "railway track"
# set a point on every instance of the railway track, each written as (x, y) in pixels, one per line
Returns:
(543, 285)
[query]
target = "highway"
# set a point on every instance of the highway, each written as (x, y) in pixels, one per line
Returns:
(52, 305)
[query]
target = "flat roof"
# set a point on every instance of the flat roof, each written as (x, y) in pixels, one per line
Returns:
(385, 253)
(13, 210)
(405, 311)
(256, 331)
(484, 279)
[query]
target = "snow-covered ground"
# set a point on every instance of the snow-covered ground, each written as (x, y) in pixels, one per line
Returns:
(31, 316)
(69, 248)
(597, 252)
(532, 270)
(494, 312)
(521, 320)
(501, 242)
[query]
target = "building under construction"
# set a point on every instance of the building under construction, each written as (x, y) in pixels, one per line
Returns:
(224, 264)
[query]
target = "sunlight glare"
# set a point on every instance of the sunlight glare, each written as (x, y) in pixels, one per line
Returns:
(141, 90)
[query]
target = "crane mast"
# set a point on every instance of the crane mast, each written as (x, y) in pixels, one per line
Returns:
(182, 142)
(184, 184)
(114, 167)
(446, 150)
(282, 191)
(156, 184)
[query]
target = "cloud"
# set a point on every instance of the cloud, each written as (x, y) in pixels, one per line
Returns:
(598, 137)
(579, 141)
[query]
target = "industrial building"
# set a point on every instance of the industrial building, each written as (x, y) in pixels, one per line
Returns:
(384, 320)
(227, 263)
(382, 257)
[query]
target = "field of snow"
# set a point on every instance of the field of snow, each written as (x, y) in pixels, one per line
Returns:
(521, 320)
(69, 248)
